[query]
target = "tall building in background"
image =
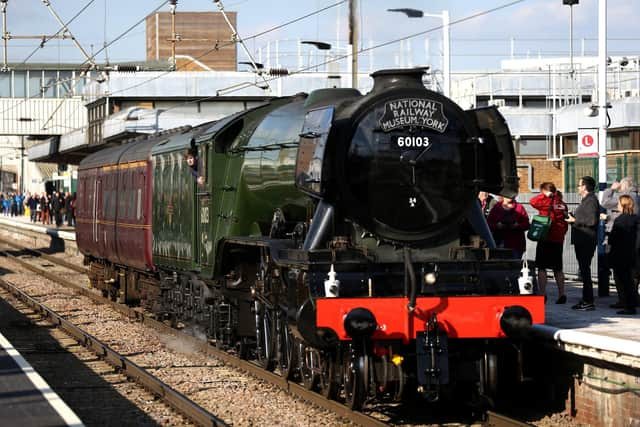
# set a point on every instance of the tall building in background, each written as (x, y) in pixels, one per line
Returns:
(198, 33)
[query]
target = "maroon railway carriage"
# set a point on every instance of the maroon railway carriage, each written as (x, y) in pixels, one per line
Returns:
(114, 220)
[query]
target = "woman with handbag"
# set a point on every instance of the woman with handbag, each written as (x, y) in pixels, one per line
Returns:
(549, 249)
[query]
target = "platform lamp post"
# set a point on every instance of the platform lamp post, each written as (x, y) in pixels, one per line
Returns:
(570, 3)
(446, 42)
(602, 95)
(318, 45)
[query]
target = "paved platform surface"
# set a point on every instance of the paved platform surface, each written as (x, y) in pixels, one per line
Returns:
(603, 320)
(64, 231)
(25, 397)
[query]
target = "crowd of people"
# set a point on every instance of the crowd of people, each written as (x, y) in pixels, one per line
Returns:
(55, 208)
(509, 222)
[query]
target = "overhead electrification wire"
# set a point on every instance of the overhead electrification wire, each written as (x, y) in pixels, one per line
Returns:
(93, 56)
(126, 31)
(390, 42)
(300, 71)
(220, 46)
(46, 39)
(123, 34)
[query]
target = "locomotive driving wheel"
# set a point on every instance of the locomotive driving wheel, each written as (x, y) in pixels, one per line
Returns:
(265, 336)
(327, 377)
(309, 365)
(287, 350)
(355, 368)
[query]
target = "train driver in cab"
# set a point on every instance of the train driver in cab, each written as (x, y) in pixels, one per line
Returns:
(195, 166)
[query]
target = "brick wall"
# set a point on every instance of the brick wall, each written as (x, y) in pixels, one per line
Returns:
(542, 170)
(199, 33)
(602, 397)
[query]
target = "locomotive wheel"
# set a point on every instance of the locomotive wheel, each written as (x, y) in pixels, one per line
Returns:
(287, 350)
(328, 380)
(395, 385)
(265, 339)
(354, 367)
(309, 365)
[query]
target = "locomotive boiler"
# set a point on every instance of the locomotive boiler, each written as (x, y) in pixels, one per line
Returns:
(319, 235)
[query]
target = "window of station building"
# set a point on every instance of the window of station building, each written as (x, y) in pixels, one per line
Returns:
(531, 147)
(570, 144)
(65, 83)
(50, 84)
(618, 141)
(35, 84)
(534, 103)
(19, 84)
(5, 85)
(79, 83)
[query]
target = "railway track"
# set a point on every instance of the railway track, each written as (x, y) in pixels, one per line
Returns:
(97, 388)
(179, 401)
(185, 340)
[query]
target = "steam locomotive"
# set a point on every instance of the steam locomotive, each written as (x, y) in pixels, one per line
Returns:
(319, 236)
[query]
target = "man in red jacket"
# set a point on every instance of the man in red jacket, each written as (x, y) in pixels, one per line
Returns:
(549, 250)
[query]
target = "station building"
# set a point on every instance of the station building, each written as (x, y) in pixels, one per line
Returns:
(545, 104)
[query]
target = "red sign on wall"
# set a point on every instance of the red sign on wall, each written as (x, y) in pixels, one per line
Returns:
(588, 142)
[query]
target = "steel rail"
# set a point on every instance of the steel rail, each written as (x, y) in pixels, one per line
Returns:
(171, 396)
(48, 257)
(206, 348)
(495, 419)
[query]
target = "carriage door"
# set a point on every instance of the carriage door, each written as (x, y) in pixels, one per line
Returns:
(204, 244)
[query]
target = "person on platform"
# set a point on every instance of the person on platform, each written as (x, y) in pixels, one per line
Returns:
(584, 237)
(549, 251)
(32, 203)
(508, 222)
(45, 208)
(623, 254)
(610, 198)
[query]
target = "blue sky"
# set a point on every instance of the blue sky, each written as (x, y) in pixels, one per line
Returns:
(538, 27)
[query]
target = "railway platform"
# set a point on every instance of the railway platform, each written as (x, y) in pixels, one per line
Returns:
(25, 397)
(601, 334)
(64, 232)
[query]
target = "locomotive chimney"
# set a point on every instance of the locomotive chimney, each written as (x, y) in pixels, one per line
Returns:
(398, 78)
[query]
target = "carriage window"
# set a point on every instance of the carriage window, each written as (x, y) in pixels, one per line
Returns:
(105, 204)
(131, 203)
(139, 208)
(122, 203)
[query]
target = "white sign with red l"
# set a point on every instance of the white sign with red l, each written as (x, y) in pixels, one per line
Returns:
(587, 142)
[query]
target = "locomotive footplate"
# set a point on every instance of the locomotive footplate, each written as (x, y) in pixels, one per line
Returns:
(432, 357)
